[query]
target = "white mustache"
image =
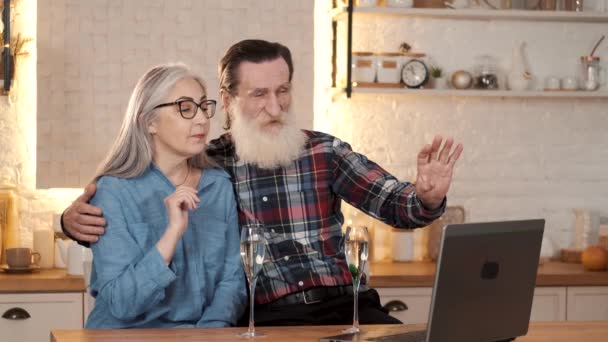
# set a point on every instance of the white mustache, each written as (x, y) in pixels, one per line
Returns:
(279, 119)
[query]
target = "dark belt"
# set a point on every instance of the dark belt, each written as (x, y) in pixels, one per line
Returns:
(316, 295)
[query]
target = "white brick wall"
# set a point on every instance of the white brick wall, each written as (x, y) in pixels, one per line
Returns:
(523, 158)
(18, 132)
(92, 52)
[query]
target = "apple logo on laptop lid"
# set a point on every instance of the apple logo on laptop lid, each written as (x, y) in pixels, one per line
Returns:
(489, 270)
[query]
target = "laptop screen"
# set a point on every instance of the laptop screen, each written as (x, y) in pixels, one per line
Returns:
(484, 284)
(485, 280)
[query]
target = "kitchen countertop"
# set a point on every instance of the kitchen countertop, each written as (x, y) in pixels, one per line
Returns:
(51, 280)
(422, 274)
(389, 274)
(538, 332)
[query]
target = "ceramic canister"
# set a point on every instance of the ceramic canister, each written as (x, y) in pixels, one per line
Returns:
(76, 254)
(367, 3)
(364, 67)
(389, 67)
(403, 245)
(73, 256)
(399, 3)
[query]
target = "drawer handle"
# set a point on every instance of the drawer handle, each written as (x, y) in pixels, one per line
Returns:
(395, 306)
(16, 314)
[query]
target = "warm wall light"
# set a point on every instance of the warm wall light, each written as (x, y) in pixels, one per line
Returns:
(24, 92)
(322, 64)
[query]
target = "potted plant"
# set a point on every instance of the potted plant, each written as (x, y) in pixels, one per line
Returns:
(438, 77)
(16, 50)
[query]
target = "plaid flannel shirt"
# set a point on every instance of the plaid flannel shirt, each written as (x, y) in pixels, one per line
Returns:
(299, 205)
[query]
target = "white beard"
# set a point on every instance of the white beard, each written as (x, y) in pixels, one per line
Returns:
(268, 150)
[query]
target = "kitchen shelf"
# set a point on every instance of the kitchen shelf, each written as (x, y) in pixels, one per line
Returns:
(348, 12)
(479, 93)
(477, 14)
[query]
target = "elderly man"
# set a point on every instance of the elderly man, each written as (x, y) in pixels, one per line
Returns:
(292, 182)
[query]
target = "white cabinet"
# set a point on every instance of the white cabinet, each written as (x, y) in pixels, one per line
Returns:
(549, 304)
(46, 311)
(89, 303)
(587, 303)
(417, 299)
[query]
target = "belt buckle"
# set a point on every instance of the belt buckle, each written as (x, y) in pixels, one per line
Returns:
(306, 300)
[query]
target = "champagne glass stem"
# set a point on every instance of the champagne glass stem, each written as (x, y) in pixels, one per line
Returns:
(356, 281)
(251, 329)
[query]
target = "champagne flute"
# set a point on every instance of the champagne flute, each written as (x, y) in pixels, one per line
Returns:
(356, 252)
(253, 248)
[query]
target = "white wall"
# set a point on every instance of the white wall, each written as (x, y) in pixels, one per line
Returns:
(71, 91)
(92, 52)
(523, 157)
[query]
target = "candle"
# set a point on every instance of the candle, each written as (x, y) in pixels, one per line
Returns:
(44, 244)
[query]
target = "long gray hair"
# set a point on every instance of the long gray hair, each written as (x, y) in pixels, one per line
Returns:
(132, 151)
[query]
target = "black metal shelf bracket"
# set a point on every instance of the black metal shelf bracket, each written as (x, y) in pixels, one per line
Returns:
(349, 47)
(6, 51)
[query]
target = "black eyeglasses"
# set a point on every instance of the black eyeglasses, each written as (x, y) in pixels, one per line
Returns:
(188, 108)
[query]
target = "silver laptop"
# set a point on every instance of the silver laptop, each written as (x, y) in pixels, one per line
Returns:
(484, 285)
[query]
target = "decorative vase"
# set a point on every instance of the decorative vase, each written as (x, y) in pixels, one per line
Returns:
(440, 82)
(519, 78)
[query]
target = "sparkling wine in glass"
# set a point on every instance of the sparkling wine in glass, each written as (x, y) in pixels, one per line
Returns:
(356, 251)
(253, 248)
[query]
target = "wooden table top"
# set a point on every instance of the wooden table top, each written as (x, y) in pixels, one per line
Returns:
(415, 274)
(538, 332)
(51, 280)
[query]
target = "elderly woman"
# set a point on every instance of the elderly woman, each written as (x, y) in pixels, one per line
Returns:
(170, 253)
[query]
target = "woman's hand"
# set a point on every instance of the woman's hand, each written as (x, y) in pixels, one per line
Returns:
(178, 204)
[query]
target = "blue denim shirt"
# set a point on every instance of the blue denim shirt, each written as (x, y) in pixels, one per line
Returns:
(203, 286)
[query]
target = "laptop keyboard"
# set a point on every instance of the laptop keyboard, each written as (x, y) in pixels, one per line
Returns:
(412, 336)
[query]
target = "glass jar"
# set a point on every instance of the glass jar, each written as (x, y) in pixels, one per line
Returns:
(573, 5)
(590, 72)
(486, 75)
(389, 67)
(9, 219)
(363, 67)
